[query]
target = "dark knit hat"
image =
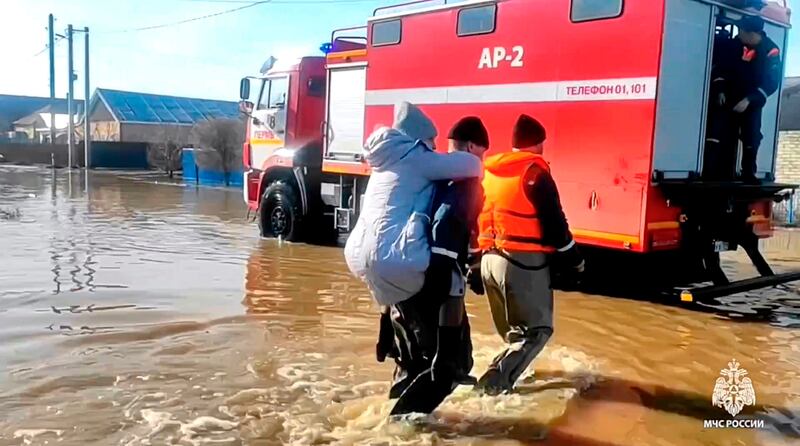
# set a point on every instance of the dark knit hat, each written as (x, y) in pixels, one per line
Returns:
(528, 132)
(751, 23)
(470, 129)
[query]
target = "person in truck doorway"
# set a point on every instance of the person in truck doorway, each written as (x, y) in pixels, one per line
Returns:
(522, 227)
(747, 72)
(431, 330)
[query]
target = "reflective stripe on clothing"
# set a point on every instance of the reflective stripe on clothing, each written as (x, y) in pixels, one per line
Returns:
(444, 252)
(568, 247)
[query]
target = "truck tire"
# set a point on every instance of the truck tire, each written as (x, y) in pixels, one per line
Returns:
(279, 213)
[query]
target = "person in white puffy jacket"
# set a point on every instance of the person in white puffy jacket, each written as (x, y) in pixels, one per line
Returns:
(388, 248)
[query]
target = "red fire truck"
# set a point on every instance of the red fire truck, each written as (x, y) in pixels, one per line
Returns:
(621, 85)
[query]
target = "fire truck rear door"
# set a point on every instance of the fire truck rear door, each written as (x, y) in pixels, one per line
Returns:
(770, 114)
(682, 87)
(345, 111)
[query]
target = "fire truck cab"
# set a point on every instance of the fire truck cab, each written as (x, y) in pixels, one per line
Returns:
(621, 85)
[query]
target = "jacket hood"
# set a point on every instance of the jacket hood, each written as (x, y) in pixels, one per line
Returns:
(387, 146)
(510, 163)
(409, 119)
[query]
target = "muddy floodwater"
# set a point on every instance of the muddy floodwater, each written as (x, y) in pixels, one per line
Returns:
(138, 311)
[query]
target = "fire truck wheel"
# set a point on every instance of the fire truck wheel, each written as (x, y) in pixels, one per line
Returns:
(279, 213)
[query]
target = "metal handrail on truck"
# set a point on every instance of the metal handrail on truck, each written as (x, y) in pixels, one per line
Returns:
(337, 34)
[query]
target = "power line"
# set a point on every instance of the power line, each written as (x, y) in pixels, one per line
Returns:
(248, 4)
(55, 43)
(193, 19)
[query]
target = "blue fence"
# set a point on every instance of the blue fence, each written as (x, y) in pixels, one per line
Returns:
(236, 179)
(207, 177)
(786, 212)
(189, 166)
(119, 155)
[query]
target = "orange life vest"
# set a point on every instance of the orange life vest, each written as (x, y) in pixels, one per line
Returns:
(508, 220)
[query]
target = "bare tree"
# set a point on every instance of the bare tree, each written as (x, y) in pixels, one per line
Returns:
(165, 154)
(220, 143)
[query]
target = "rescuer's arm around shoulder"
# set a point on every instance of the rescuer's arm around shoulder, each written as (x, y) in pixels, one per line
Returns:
(424, 161)
(541, 189)
(454, 166)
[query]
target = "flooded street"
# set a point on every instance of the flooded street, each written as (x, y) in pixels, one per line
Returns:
(142, 312)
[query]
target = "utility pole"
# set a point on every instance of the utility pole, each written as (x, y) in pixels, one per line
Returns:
(51, 47)
(70, 98)
(86, 140)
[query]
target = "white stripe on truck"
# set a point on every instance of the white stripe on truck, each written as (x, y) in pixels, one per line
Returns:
(628, 89)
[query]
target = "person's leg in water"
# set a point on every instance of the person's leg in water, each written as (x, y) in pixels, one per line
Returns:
(493, 274)
(449, 367)
(525, 310)
(415, 351)
(454, 346)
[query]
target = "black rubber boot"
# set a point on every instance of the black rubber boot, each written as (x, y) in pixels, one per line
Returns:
(432, 386)
(385, 345)
(492, 383)
(446, 362)
(402, 379)
(749, 154)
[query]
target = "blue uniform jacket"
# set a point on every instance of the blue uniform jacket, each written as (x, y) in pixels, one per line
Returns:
(456, 206)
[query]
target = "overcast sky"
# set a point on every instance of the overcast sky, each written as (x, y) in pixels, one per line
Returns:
(203, 58)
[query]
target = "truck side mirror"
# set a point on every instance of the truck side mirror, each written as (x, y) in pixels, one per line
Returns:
(244, 89)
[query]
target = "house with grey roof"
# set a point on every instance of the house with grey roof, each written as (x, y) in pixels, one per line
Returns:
(37, 125)
(126, 116)
(19, 115)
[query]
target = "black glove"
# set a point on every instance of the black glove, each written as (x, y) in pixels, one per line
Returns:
(385, 344)
(570, 266)
(474, 279)
(576, 274)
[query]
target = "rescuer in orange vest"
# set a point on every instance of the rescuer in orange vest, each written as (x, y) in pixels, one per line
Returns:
(522, 226)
